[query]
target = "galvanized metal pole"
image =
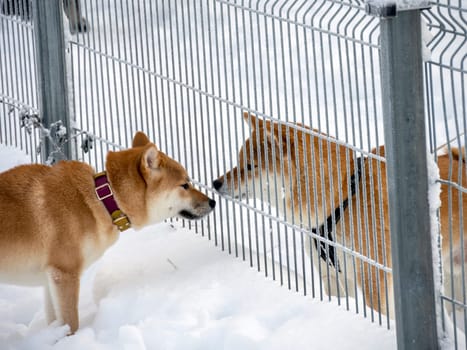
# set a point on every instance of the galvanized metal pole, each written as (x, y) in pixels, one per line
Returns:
(52, 83)
(405, 139)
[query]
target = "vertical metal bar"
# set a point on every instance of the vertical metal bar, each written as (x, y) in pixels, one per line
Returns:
(404, 127)
(155, 97)
(200, 54)
(211, 18)
(51, 75)
(90, 84)
(207, 157)
(259, 43)
(15, 75)
(3, 60)
(218, 59)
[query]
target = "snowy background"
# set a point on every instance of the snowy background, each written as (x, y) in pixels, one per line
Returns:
(166, 288)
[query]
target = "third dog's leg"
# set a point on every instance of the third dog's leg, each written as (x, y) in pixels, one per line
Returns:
(64, 293)
(77, 22)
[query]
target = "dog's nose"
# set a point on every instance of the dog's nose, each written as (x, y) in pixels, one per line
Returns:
(217, 184)
(212, 203)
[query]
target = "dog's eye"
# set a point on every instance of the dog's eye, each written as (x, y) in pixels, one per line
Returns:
(186, 186)
(250, 167)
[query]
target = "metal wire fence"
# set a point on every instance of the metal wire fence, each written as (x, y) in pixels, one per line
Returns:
(446, 77)
(280, 103)
(188, 83)
(18, 97)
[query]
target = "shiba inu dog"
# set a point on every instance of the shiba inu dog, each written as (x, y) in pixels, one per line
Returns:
(330, 191)
(58, 220)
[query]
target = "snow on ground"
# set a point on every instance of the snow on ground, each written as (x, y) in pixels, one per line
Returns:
(166, 288)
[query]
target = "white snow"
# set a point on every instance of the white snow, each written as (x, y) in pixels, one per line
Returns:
(434, 190)
(11, 157)
(165, 287)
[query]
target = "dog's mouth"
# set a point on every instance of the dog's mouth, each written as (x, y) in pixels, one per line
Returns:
(233, 195)
(238, 196)
(189, 215)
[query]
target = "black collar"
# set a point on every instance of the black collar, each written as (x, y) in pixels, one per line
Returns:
(328, 252)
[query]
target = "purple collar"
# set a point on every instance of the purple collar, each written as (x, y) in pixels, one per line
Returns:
(105, 195)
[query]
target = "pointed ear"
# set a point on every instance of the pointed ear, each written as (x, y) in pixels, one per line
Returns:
(282, 138)
(140, 139)
(252, 121)
(257, 123)
(151, 158)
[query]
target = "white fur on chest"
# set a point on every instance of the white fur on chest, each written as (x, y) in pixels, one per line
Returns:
(95, 245)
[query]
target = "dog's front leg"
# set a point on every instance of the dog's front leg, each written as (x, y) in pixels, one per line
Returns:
(330, 278)
(63, 290)
(49, 308)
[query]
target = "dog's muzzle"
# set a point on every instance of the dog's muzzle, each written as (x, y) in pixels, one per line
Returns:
(221, 187)
(223, 190)
(198, 213)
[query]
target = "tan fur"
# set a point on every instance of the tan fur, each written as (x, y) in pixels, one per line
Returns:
(322, 171)
(452, 168)
(53, 226)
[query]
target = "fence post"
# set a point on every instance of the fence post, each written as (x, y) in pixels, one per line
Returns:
(52, 83)
(405, 140)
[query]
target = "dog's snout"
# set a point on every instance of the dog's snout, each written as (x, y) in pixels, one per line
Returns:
(212, 203)
(217, 184)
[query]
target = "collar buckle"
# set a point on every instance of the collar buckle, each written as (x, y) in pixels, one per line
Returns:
(104, 191)
(120, 220)
(105, 194)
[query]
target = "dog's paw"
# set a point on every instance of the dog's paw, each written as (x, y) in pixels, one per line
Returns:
(79, 26)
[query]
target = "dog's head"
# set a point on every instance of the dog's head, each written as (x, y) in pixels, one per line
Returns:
(151, 187)
(261, 160)
(284, 165)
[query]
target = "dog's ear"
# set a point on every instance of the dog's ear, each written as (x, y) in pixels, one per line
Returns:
(253, 121)
(282, 137)
(256, 123)
(151, 158)
(272, 132)
(140, 139)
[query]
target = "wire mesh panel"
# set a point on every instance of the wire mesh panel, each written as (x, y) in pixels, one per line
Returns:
(293, 86)
(446, 79)
(18, 99)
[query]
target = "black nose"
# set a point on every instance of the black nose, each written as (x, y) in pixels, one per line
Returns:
(217, 184)
(212, 203)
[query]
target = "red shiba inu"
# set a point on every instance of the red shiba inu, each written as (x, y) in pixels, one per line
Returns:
(343, 199)
(58, 220)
